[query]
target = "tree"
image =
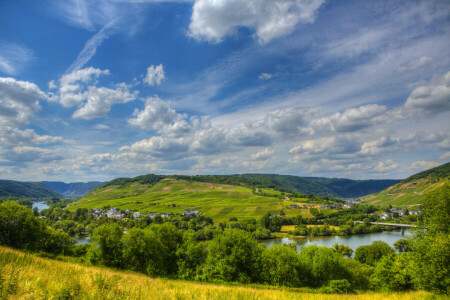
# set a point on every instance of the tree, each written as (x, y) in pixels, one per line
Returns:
(403, 245)
(343, 249)
(233, 256)
(371, 254)
(19, 228)
(393, 273)
(191, 256)
(107, 245)
(280, 265)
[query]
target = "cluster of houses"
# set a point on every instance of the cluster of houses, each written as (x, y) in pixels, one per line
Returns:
(336, 206)
(301, 205)
(115, 213)
(401, 213)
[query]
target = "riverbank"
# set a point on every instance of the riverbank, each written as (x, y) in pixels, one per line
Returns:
(26, 276)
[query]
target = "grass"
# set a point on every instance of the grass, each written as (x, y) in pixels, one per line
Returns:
(25, 276)
(404, 194)
(218, 201)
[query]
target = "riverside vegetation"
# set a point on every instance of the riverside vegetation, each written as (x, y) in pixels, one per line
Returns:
(233, 255)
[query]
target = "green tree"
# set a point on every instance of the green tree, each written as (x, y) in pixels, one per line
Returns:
(107, 245)
(233, 256)
(343, 249)
(372, 253)
(19, 228)
(393, 273)
(191, 257)
(280, 265)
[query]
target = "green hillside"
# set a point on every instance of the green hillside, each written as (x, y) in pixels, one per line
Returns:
(153, 193)
(327, 187)
(10, 189)
(411, 191)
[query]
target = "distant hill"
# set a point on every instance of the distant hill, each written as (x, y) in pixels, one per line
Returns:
(328, 187)
(74, 189)
(411, 191)
(10, 189)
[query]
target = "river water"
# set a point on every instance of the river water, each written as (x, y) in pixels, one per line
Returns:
(40, 205)
(353, 241)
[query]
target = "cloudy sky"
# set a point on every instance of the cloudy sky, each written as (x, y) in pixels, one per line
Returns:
(94, 90)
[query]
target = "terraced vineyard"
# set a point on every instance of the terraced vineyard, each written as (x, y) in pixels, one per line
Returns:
(218, 201)
(410, 192)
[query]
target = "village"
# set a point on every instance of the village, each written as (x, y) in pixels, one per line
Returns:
(115, 213)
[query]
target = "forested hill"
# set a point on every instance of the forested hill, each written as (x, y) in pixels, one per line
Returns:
(411, 191)
(74, 189)
(329, 187)
(320, 186)
(10, 189)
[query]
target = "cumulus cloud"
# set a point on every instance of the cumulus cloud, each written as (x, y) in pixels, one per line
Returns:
(156, 115)
(289, 122)
(262, 155)
(10, 136)
(160, 147)
(78, 88)
(265, 76)
(18, 101)
(327, 145)
(352, 119)
(387, 165)
(155, 75)
(213, 20)
(424, 165)
(431, 98)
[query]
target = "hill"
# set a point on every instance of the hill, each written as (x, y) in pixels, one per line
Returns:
(26, 276)
(74, 189)
(328, 187)
(10, 189)
(411, 191)
(155, 193)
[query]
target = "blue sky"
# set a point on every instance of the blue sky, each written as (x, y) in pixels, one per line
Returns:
(94, 90)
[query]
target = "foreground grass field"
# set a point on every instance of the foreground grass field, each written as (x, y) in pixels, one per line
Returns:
(25, 276)
(218, 201)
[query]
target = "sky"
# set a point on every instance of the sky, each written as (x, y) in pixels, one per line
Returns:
(95, 90)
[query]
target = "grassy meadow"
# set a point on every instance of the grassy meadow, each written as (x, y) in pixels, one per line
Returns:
(25, 276)
(218, 201)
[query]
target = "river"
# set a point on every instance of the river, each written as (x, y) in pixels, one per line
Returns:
(353, 241)
(40, 205)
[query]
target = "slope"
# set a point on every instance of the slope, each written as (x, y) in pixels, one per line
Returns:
(153, 193)
(74, 189)
(410, 192)
(328, 187)
(11, 189)
(26, 276)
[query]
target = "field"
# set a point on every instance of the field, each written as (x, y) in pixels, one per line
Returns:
(405, 194)
(25, 276)
(218, 201)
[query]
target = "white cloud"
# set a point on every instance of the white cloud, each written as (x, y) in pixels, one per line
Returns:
(387, 165)
(263, 155)
(14, 57)
(265, 76)
(10, 136)
(415, 64)
(93, 101)
(424, 165)
(327, 145)
(159, 147)
(18, 101)
(155, 75)
(213, 20)
(446, 155)
(156, 115)
(433, 97)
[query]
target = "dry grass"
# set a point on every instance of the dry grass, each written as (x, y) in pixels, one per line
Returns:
(25, 276)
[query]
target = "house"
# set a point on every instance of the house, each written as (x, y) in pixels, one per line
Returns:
(415, 212)
(294, 206)
(190, 212)
(137, 215)
(347, 206)
(165, 215)
(127, 211)
(152, 215)
(385, 216)
(401, 212)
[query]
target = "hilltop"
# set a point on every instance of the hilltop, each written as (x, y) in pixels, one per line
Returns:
(10, 189)
(73, 189)
(174, 194)
(411, 191)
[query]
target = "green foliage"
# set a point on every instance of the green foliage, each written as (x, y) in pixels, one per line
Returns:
(280, 265)
(403, 245)
(107, 245)
(393, 273)
(338, 287)
(372, 253)
(233, 256)
(10, 189)
(192, 256)
(343, 249)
